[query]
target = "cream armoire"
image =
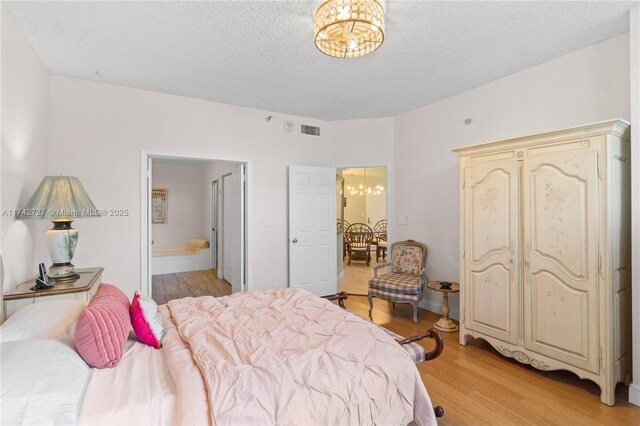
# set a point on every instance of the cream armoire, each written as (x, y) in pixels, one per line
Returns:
(545, 250)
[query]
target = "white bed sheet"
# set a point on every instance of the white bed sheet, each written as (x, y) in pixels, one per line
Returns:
(110, 399)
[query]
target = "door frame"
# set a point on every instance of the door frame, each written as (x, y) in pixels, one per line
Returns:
(214, 186)
(146, 283)
(390, 187)
(220, 271)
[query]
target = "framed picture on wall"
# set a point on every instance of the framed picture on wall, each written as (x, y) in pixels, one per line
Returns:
(159, 199)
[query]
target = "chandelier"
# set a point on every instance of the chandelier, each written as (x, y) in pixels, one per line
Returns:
(349, 28)
(361, 190)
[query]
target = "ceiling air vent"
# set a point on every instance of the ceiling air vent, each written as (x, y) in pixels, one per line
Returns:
(305, 129)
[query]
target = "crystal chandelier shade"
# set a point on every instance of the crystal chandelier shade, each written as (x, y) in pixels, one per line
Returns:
(349, 28)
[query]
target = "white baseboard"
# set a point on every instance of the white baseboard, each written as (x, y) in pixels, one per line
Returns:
(220, 274)
(436, 306)
(634, 394)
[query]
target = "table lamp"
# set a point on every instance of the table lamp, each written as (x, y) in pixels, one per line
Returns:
(60, 199)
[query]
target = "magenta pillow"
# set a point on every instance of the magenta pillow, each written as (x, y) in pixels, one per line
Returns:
(103, 327)
(146, 320)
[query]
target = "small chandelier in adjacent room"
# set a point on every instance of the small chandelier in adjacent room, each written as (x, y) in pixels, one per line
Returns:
(363, 188)
(349, 28)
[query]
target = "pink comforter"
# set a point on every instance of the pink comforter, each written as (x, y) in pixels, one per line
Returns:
(288, 357)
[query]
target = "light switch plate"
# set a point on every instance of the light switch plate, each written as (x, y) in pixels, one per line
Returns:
(403, 220)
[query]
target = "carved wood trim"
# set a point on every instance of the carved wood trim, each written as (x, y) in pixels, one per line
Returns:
(522, 357)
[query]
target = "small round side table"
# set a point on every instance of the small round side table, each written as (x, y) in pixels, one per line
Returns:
(445, 323)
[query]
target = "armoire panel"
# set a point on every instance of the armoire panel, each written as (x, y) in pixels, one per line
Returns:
(557, 311)
(490, 300)
(490, 225)
(559, 218)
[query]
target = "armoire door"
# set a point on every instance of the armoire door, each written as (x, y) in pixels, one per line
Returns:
(491, 249)
(560, 202)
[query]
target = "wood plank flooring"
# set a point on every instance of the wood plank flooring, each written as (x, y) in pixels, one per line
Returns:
(478, 386)
(188, 284)
(357, 276)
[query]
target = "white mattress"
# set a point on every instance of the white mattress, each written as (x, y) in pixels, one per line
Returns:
(111, 399)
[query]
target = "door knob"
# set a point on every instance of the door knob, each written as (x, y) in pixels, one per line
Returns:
(295, 240)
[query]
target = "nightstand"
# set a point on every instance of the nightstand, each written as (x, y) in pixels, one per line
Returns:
(81, 289)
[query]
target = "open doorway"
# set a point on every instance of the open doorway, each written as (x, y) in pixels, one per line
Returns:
(195, 233)
(364, 216)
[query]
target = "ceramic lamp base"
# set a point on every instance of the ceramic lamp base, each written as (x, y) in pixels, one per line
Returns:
(65, 272)
(61, 242)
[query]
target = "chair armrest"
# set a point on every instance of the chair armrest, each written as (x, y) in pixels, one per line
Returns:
(380, 266)
(432, 333)
(423, 277)
(340, 297)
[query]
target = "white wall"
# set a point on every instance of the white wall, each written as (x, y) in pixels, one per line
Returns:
(97, 131)
(356, 209)
(25, 152)
(586, 86)
(634, 54)
(376, 203)
(187, 208)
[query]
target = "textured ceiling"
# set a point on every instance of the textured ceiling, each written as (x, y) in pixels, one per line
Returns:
(261, 54)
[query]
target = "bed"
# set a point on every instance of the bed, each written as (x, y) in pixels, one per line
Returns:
(272, 357)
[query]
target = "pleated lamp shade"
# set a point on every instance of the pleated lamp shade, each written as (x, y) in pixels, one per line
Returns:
(60, 199)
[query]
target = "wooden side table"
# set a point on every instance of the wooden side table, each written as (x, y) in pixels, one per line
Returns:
(445, 323)
(81, 289)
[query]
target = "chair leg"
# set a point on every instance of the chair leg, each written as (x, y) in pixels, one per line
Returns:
(377, 254)
(393, 305)
(415, 312)
(349, 262)
(370, 305)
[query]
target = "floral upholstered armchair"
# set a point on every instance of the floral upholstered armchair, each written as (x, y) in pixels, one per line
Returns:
(405, 281)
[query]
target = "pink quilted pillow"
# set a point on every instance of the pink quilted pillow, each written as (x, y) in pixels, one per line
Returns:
(146, 320)
(103, 327)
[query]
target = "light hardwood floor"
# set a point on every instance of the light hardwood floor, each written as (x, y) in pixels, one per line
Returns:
(188, 284)
(477, 386)
(357, 276)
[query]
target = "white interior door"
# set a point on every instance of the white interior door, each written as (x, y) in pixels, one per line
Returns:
(312, 229)
(233, 232)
